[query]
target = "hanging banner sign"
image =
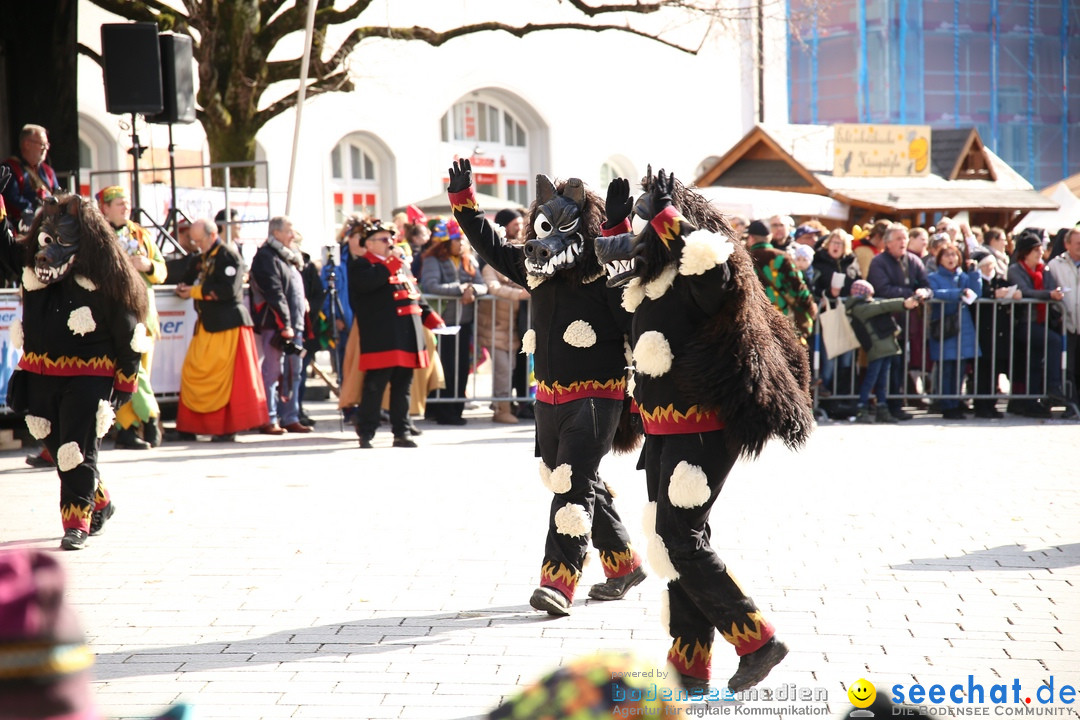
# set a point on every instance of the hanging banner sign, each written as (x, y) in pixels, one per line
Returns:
(881, 150)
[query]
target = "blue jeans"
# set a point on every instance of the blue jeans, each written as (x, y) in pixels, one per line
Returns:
(277, 366)
(876, 381)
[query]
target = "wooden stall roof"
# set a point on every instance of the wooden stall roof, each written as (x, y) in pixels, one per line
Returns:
(799, 158)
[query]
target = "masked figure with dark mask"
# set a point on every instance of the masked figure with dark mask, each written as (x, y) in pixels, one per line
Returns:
(717, 372)
(82, 336)
(578, 346)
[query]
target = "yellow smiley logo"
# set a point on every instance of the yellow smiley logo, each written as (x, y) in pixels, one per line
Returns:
(861, 693)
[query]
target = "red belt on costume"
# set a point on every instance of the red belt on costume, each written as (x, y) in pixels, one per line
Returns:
(557, 393)
(669, 421)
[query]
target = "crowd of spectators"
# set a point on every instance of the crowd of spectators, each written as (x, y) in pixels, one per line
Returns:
(999, 310)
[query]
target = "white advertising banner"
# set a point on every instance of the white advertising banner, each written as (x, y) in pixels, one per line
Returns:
(10, 308)
(177, 319)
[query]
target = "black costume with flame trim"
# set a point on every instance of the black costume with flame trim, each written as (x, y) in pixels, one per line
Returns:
(578, 344)
(81, 338)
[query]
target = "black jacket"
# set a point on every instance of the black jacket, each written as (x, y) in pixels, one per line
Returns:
(219, 291)
(564, 372)
(272, 285)
(389, 313)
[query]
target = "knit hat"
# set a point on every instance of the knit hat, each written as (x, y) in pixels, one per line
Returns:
(804, 252)
(1027, 241)
(43, 655)
(453, 229)
(506, 216)
(861, 288)
(758, 229)
(108, 194)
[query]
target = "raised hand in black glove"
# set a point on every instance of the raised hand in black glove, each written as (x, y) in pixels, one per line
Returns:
(119, 399)
(618, 204)
(651, 203)
(5, 175)
(460, 176)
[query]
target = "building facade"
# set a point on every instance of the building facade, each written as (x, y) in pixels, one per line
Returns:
(563, 103)
(1010, 68)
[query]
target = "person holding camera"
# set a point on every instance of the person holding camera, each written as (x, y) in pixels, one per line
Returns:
(277, 292)
(389, 314)
(221, 392)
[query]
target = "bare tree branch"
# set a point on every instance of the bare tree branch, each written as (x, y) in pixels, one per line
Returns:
(637, 7)
(293, 19)
(83, 50)
(338, 82)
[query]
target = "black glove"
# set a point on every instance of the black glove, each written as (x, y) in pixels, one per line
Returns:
(5, 175)
(619, 204)
(651, 203)
(119, 399)
(460, 176)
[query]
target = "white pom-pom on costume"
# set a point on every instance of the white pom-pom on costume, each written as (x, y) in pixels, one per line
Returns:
(140, 340)
(560, 479)
(545, 475)
(533, 281)
(81, 321)
(69, 456)
(104, 418)
(15, 332)
(704, 251)
(648, 520)
(631, 385)
(689, 486)
(39, 427)
(652, 353)
(655, 289)
(579, 334)
(665, 610)
(660, 560)
(85, 283)
(632, 295)
(573, 520)
(30, 280)
(528, 342)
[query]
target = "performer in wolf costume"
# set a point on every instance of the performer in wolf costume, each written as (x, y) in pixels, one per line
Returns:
(717, 372)
(578, 344)
(82, 339)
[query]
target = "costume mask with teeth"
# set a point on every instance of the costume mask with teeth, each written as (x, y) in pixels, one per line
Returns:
(57, 240)
(556, 237)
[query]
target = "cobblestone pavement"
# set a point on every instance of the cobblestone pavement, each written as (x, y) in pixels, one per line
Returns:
(300, 577)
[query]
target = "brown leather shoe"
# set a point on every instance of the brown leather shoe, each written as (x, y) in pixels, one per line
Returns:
(297, 427)
(272, 429)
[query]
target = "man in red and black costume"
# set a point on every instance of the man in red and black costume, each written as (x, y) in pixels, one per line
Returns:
(82, 342)
(717, 372)
(32, 180)
(578, 344)
(390, 317)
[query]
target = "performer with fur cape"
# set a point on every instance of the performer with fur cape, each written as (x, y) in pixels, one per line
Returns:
(578, 344)
(82, 338)
(717, 372)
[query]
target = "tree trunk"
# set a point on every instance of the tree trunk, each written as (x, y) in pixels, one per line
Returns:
(235, 143)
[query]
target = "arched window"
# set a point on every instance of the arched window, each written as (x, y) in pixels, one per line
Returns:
(356, 179)
(615, 167)
(495, 139)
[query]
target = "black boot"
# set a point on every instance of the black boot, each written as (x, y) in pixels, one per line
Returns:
(152, 431)
(100, 517)
(753, 667)
(550, 601)
(128, 440)
(616, 588)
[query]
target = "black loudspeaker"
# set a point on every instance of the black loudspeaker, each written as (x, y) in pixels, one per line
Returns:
(177, 82)
(132, 62)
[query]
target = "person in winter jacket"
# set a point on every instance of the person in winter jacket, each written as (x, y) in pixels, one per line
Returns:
(877, 332)
(952, 327)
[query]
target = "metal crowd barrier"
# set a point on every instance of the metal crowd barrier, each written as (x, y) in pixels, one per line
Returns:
(1014, 357)
(477, 389)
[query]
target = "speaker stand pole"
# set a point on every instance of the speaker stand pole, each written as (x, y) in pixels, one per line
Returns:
(136, 152)
(173, 213)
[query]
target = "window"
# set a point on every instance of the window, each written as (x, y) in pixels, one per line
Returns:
(355, 180)
(517, 190)
(481, 122)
